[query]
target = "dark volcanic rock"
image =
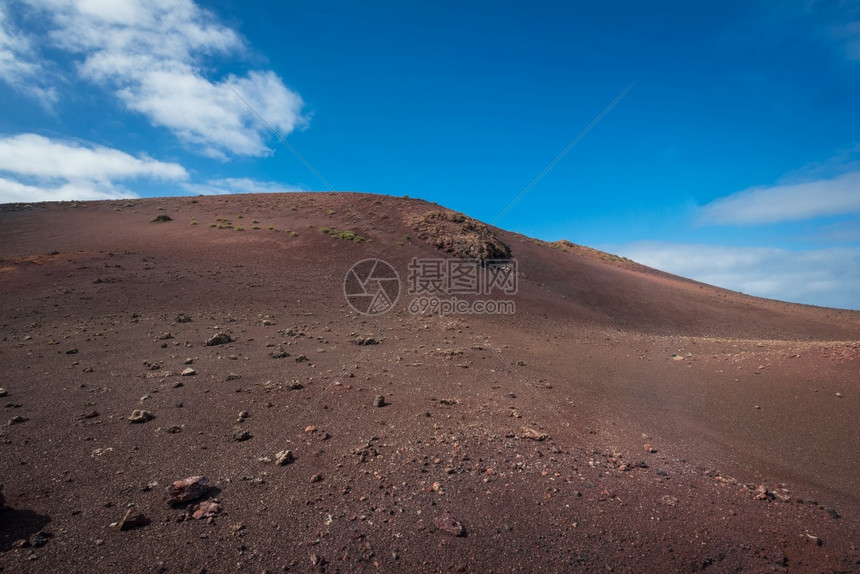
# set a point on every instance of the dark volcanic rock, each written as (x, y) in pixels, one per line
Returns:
(459, 235)
(219, 339)
(133, 519)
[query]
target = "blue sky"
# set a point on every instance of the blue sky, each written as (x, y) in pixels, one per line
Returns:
(734, 159)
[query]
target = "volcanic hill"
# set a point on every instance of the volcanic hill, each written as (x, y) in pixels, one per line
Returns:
(619, 419)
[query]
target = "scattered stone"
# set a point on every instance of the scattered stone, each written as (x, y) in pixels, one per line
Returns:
(188, 372)
(175, 429)
(243, 415)
(280, 354)
(839, 395)
(133, 519)
(782, 495)
(183, 318)
(219, 339)
(140, 416)
(669, 500)
(206, 509)
(648, 448)
(3, 392)
(189, 360)
(379, 401)
(40, 539)
(365, 341)
(90, 414)
(533, 434)
(316, 478)
(449, 525)
(762, 493)
(302, 359)
(814, 539)
(72, 352)
(165, 337)
(284, 457)
(187, 489)
(233, 377)
(295, 385)
(17, 419)
(521, 363)
(832, 512)
(241, 435)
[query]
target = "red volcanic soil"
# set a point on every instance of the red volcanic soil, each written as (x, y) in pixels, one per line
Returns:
(622, 419)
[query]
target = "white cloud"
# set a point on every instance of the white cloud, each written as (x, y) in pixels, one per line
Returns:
(788, 202)
(827, 277)
(237, 185)
(150, 54)
(43, 169)
(19, 64)
(16, 192)
(33, 155)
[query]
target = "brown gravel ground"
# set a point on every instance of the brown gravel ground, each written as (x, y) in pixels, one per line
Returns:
(662, 405)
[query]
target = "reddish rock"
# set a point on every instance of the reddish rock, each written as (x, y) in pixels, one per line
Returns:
(449, 525)
(187, 489)
(206, 509)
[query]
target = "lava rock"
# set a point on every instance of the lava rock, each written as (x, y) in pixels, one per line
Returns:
(187, 489)
(206, 509)
(449, 525)
(189, 372)
(133, 519)
(219, 339)
(379, 401)
(241, 435)
(284, 457)
(140, 416)
(533, 434)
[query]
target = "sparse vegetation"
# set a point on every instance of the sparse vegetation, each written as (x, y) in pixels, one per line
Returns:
(163, 218)
(346, 235)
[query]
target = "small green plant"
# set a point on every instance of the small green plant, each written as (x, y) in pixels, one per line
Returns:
(272, 228)
(255, 221)
(256, 227)
(294, 233)
(240, 228)
(213, 225)
(193, 222)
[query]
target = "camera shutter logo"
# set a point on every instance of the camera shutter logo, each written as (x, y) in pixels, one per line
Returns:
(371, 287)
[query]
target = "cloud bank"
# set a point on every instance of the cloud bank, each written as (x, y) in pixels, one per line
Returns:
(237, 185)
(37, 168)
(828, 277)
(151, 55)
(790, 202)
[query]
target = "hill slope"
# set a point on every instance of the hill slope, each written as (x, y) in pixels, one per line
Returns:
(620, 418)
